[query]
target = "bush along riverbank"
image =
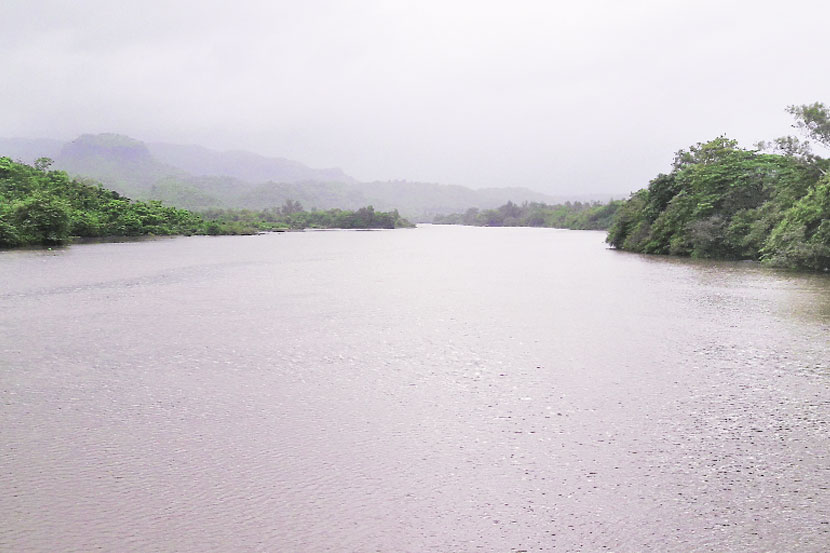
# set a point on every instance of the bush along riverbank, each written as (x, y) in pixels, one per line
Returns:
(770, 204)
(570, 215)
(292, 216)
(43, 207)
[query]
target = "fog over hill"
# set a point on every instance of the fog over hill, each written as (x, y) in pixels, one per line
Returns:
(196, 177)
(247, 166)
(29, 149)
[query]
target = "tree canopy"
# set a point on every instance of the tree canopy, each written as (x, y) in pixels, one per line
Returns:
(570, 215)
(814, 120)
(722, 201)
(39, 206)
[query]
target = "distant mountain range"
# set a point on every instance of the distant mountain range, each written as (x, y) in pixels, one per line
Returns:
(199, 178)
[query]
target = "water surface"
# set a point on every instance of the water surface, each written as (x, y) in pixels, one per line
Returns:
(439, 389)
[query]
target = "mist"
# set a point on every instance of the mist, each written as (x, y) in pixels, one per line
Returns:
(561, 97)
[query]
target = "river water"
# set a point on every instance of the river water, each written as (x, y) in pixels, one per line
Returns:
(443, 389)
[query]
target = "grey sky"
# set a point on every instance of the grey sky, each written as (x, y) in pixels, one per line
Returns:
(562, 97)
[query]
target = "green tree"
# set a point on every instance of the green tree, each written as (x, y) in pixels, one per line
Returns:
(41, 219)
(290, 207)
(722, 201)
(814, 120)
(43, 164)
(802, 238)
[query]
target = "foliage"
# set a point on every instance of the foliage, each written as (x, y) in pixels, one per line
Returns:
(39, 206)
(292, 216)
(40, 219)
(576, 215)
(721, 201)
(814, 120)
(802, 237)
(43, 207)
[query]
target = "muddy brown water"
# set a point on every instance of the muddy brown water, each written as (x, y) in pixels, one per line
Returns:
(441, 389)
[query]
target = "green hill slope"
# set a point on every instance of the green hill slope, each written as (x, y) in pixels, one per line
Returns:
(197, 178)
(39, 206)
(43, 207)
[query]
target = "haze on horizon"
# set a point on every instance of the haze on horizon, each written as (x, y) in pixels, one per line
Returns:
(561, 97)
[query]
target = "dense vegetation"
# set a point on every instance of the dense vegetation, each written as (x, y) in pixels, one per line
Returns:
(570, 215)
(723, 201)
(39, 206)
(43, 207)
(292, 216)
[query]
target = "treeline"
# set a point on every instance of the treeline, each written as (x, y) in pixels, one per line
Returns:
(39, 206)
(721, 201)
(570, 215)
(292, 216)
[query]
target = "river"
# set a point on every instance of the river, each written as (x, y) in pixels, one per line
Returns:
(442, 389)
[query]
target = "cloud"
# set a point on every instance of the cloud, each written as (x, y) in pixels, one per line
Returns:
(564, 97)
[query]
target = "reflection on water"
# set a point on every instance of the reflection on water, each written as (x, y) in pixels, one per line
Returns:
(440, 389)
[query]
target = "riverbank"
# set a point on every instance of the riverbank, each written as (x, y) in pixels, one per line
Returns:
(724, 202)
(43, 207)
(721, 201)
(570, 215)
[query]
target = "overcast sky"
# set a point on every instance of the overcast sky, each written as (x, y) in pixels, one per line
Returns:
(564, 97)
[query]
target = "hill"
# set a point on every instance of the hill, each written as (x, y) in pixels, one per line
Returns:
(39, 206)
(120, 162)
(244, 166)
(198, 178)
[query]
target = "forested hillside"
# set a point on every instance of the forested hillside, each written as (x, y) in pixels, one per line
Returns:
(198, 179)
(39, 206)
(722, 201)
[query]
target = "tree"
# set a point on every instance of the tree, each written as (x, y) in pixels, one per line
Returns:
(789, 146)
(42, 219)
(802, 238)
(813, 120)
(290, 207)
(43, 164)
